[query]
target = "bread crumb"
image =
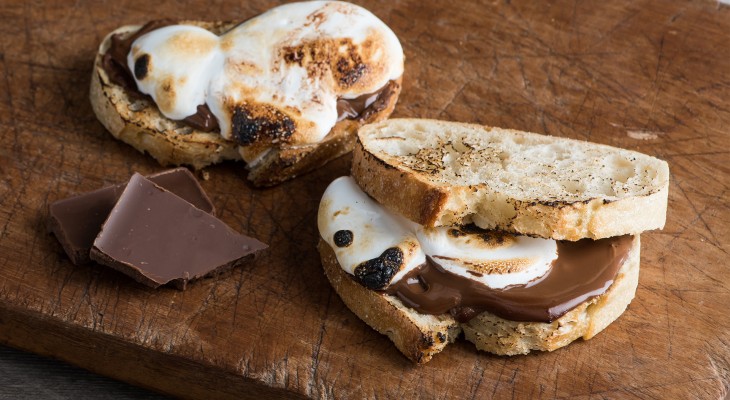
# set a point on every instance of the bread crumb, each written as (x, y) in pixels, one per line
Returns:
(643, 135)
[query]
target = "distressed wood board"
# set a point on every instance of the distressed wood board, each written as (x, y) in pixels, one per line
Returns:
(652, 76)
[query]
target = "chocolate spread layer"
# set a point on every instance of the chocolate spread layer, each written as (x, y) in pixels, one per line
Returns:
(114, 63)
(583, 270)
(362, 107)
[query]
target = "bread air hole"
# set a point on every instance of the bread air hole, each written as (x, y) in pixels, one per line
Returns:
(573, 187)
(623, 169)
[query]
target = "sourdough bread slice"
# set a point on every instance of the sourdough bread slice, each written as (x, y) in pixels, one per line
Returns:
(139, 123)
(440, 173)
(419, 337)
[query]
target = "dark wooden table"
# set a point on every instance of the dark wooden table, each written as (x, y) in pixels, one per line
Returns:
(652, 76)
(28, 376)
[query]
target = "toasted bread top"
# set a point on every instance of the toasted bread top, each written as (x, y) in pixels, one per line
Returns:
(440, 173)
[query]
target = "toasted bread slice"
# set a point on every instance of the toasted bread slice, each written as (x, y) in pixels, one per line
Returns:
(419, 337)
(439, 173)
(139, 123)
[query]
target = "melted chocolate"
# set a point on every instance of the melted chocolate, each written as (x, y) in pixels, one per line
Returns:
(114, 62)
(203, 120)
(362, 107)
(583, 270)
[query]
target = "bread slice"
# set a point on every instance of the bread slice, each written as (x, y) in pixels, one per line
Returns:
(440, 173)
(139, 123)
(419, 337)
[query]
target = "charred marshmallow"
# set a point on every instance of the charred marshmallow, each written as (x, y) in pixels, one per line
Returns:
(277, 75)
(382, 247)
(174, 65)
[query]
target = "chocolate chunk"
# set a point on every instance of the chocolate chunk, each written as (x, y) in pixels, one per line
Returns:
(343, 238)
(77, 220)
(157, 237)
(376, 273)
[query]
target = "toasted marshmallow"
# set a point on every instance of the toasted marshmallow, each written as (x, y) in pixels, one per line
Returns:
(363, 235)
(360, 231)
(174, 65)
(276, 77)
(495, 259)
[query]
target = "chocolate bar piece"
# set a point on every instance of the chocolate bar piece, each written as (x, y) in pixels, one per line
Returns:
(77, 220)
(156, 237)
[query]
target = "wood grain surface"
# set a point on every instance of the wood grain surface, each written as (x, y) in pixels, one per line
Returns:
(652, 76)
(28, 376)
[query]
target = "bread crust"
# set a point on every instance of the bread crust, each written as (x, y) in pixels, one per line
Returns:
(139, 123)
(387, 315)
(419, 337)
(401, 191)
(416, 196)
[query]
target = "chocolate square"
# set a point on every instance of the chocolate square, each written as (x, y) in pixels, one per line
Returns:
(157, 238)
(76, 221)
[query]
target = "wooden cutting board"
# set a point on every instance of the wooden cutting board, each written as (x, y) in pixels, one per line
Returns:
(652, 76)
